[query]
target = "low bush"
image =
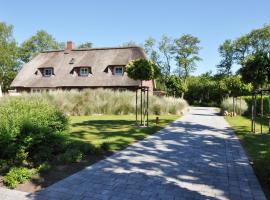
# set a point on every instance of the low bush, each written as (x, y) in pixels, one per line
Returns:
(71, 155)
(17, 175)
(31, 130)
(44, 167)
(227, 104)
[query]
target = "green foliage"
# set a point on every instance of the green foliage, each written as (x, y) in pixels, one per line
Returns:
(41, 41)
(28, 127)
(227, 104)
(44, 167)
(187, 54)
(85, 45)
(71, 155)
(175, 85)
(256, 69)
(251, 52)
(85, 148)
(8, 56)
(142, 69)
(236, 87)
(215, 89)
(17, 175)
(226, 51)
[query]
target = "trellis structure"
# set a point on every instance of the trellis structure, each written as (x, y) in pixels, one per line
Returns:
(255, 94)
(144, 104)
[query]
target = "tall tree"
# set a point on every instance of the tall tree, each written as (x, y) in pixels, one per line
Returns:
(226, 51)
(165, 47)
(85, 45)
(151, 50)
(8, 56)
(187, 54)
(41, 41)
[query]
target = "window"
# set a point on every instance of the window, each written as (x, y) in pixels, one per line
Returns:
(84, 71)
(118, 71)
(48, 72)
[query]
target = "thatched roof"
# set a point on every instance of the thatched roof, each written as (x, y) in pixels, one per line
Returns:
(64, 61)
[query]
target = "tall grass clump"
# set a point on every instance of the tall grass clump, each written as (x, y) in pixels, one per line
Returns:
(102, 101)
(227, 104)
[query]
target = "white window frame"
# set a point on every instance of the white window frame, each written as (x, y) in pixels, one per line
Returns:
(118, 74)
(48, 70)
(84, 71)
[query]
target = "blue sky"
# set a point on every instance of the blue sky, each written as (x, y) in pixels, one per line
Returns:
(111, 23)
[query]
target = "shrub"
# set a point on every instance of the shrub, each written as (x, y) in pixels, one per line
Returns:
(71, 155)
(44, 167)
(28, 127)
(227, 104)
(84, 147)
(17, 175)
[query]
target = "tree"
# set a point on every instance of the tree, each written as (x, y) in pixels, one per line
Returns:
(129, 44)
(142, 69)
(41, 41)
(187, 54)
(256, 69)
(8, 56)
(166, 49)
(238, 50)
(175, 85)
(151, 51)
(236, 87)
(226, 51)
(85, 45)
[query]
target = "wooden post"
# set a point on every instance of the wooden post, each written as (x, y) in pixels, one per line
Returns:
(233, 106)
(147, 106)
(136, 107)
(144, 110)
(252, 114)
(261, 111)
(269, 111)
(141, 108)
(240, 105)
(255, 112)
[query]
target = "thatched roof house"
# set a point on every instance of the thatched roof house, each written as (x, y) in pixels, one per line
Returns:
(78, 69)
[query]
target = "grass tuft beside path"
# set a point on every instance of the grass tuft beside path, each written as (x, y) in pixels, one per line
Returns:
(118, 130)
(257, 146)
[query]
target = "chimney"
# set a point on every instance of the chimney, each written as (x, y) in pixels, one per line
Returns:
(70, 45)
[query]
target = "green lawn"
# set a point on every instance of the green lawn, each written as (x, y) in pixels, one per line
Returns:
(257, 146)
(119, 130)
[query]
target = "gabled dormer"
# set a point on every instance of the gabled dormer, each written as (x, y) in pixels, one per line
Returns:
(116, 70)
(82, 71)
(45, 71)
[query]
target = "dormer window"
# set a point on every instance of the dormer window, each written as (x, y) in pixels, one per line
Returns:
(119, 70)
(84, 71)
(48, 72)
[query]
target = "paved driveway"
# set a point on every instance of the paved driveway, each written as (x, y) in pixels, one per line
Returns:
(197, 157)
